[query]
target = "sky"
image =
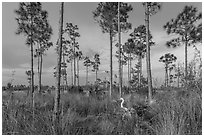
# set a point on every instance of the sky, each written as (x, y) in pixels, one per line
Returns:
(16, 54)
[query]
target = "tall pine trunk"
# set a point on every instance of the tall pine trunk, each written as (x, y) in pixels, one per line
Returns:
(32, 87)
(111, 65)
(119, 50)
(149, 76)
(56, 117)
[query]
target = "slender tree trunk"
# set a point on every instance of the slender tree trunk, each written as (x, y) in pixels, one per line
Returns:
(169, 78)
(130, 66)
(40, 73)
(86, 76)
(128, 70)
(140, 70)
(96, 75)
(166, 75)
(72, 72)
(186, 61)
(111, 65)
(74, 66)
(119, 50)
(178, 76)
(78, 72)
(65, 75)
(149, 76)
(38, 56)
(56, 117)
(32, 86)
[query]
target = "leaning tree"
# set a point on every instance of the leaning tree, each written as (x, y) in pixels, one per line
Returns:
(184, 26)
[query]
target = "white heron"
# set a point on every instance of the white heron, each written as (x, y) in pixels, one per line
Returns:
(127, 111)
(121, 105)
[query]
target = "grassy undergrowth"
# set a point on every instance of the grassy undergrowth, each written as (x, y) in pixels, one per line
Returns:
(174, 113)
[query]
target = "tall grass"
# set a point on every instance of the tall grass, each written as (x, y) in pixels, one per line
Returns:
(175, 112)
(178, 113)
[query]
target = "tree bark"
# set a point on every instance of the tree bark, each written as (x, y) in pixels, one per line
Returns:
(56, 117)
(149, 76)
(111, 65)
(119, 50)
(32, 87)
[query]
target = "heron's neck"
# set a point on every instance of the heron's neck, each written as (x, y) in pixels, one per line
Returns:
(122, 102)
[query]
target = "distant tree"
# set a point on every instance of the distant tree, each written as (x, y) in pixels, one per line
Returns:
(167, 59)
(96, 64)
(87, 64)
(136, 79)
(128, 48)
(178, 74)
(151, 8)
(56, 114)
(106, 15)
(184, 26)
(28, 18)
(44, 34)
(79, 57)
(72, 31)
(138, 37)
(123, 59)
(28, 73)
